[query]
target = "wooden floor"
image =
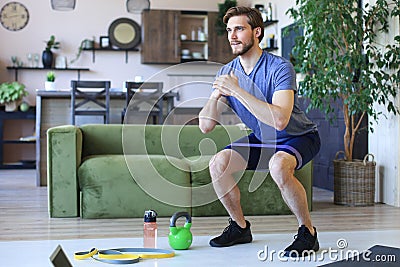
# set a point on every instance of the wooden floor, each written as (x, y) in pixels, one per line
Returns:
(23, 216)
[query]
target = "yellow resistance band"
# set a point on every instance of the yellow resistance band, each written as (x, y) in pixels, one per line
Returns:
(124, 255)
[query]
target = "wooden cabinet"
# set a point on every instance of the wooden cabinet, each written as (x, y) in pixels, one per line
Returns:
(193, 32)
(171, 37)
(160, 43)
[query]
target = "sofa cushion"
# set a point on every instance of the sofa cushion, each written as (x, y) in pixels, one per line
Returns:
(264, 199)
(174, 140)
(109, 190)
(204, 198)
(109, 137)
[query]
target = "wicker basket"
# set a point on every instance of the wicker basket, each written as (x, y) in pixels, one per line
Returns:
(354, 181)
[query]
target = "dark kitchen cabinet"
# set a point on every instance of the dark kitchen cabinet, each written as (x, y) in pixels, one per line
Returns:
(160, 43)
(171, 37)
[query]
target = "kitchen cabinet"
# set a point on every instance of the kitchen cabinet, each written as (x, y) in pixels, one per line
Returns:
(160, 43)
(193, 31)
(171, 37)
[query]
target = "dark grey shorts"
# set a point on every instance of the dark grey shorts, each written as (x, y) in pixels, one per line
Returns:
(257, 154)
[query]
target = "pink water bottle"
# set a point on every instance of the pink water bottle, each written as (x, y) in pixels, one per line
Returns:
(150, 229)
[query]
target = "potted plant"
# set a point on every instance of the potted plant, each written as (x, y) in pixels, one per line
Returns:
(11, 94)
(50, 78)
(222, 8)
(47, 55)
(85, 44)
(345, 62)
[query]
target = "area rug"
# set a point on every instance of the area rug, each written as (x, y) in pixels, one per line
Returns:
(377, 255)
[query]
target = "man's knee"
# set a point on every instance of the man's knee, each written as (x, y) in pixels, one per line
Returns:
(219, 163)
(281, 167)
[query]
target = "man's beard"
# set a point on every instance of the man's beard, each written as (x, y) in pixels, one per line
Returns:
(245, 49)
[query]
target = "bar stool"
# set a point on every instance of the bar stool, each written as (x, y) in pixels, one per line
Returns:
(95, 92)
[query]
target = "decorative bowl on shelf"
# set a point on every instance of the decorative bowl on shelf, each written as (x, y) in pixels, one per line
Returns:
(197, 55)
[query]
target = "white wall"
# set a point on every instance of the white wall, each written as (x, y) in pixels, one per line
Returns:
(384, 145)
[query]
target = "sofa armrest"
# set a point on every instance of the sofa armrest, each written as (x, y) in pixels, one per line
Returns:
(64, 149)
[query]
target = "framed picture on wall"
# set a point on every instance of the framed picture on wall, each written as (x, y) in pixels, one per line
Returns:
(104, 42)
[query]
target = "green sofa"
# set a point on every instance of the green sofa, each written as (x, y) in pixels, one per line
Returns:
(119, 171)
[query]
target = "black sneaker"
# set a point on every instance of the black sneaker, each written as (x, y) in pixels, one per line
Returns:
(232, 234)
(303, 244)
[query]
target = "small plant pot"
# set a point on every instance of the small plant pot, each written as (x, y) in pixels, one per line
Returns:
(48, 86)
(11, 106)
(88, 44)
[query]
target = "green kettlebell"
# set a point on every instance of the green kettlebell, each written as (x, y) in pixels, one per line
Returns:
(180, 237)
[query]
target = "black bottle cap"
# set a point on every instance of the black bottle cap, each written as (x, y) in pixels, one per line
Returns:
(150, 216)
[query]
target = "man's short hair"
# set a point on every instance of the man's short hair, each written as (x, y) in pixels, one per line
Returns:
(253, 17)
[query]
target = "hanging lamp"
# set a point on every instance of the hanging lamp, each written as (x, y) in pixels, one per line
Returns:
(63, 5)
(137, 6)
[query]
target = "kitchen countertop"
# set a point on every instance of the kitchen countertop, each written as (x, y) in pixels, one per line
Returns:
(115, 93)
(66, 93)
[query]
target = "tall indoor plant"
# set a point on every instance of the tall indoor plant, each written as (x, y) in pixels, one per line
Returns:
(220, 27)
(342, 54)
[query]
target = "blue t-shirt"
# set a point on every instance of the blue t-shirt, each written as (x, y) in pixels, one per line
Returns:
(270, 74)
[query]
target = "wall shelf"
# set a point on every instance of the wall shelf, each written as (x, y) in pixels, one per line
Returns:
(101, 49)
(17, 142)
(17, 115)
(267, 24)
(193, 42)
(16, 69)
(270, 22)
(184, 60)
(271, 49)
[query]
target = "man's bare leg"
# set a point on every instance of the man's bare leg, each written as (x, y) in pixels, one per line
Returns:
(222, 166)
(282, 167)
